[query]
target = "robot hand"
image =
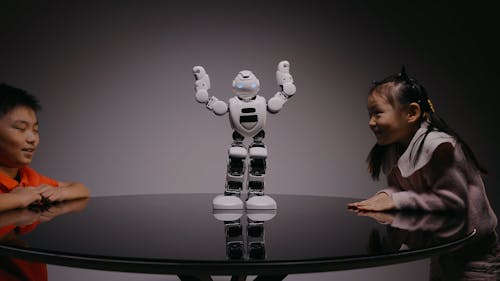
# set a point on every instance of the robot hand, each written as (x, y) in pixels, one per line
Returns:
(217, 106)
(285, 81)
(202, 84)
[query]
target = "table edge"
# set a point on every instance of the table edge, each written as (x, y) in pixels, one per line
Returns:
(252, 267)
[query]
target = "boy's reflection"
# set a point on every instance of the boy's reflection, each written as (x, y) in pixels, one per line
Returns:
(15, 223)
(477, 260)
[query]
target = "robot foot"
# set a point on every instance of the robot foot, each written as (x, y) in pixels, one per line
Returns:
(261, 215)
(227, 202)
(261, 202)
(228, 215)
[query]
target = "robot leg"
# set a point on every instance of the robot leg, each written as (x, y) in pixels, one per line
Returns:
(256, 247)
(236, 166)
(257, 172)
(233, 228)
(235, 176)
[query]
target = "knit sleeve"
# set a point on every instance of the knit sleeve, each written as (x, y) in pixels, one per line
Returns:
(392, 185)
(446, 180)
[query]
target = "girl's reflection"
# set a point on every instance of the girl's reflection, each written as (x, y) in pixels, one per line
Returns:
(477, 260)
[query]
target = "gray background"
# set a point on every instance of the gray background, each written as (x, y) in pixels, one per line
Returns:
(115, 81)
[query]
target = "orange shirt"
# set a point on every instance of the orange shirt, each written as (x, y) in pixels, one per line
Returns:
(13, 269)
(29, 177)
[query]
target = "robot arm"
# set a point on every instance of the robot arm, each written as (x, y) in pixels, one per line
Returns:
(202, 84)
(285, 81)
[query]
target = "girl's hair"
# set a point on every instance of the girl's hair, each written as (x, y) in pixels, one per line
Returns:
(401, 90)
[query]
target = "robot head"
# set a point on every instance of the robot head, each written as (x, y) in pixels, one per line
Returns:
(246, 85)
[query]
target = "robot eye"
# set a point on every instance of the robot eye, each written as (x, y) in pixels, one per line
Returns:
(239, 86)
(254, 85)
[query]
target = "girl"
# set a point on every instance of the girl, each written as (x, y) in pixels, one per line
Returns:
(428, 166)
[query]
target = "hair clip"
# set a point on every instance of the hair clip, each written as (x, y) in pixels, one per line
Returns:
(431, 106)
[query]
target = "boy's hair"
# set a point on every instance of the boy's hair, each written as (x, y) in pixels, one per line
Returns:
(401, 90)
(12, 97)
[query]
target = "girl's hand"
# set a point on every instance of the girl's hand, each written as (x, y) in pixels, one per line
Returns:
(379, 202)
(27, 195)
(380, 217)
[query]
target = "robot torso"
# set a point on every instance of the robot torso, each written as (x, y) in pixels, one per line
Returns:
(248, 117)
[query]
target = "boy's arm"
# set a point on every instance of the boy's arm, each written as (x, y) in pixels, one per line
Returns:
(18, 217)
(8, 202)
(65, 191)
(19, 198)
(63, 208)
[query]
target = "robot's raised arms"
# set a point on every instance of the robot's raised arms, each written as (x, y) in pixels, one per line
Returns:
(202, 84)
(285, 82)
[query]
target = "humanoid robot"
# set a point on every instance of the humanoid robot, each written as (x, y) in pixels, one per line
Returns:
(247, 115)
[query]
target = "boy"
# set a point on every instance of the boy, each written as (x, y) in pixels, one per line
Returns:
(21, 186)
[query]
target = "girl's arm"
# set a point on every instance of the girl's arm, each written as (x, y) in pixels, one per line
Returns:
(447, 180)
(445, 176)
(381, 201)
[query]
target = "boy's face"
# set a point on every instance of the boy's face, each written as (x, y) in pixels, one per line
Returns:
(18, 137)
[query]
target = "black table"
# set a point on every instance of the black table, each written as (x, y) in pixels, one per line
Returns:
(180, 234)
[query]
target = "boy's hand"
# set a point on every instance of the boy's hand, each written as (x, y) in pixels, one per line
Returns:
(63, 208)
(379, 202)
(26, 217)
(27, 195)
(53, 194)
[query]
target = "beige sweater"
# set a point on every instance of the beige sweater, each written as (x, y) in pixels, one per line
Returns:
(440, 180)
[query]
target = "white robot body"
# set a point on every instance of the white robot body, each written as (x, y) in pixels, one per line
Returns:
(248, 117)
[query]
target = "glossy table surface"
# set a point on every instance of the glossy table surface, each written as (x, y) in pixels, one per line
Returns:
(181, 234)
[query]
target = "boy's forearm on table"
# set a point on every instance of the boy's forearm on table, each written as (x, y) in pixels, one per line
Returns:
(9, 201)
(75, 190)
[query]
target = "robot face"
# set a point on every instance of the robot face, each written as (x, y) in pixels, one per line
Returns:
(246, 85)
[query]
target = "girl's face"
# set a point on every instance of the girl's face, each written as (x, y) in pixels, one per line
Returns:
(18, 137)
(389, 123)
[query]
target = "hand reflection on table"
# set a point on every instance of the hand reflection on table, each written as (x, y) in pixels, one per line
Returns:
(15, 223)
(477, 260)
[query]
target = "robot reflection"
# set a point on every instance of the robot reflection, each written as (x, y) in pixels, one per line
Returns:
(247, 115)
